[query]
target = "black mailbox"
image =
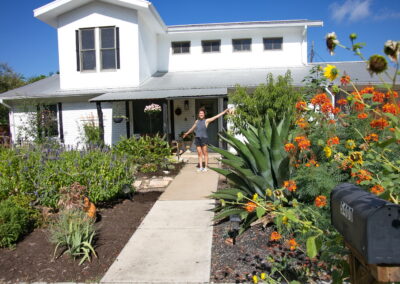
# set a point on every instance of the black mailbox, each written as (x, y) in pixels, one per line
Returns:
(369, 224)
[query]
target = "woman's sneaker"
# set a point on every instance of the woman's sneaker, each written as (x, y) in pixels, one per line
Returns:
(204, 170)
(199, 170)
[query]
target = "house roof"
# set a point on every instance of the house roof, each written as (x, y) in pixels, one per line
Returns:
(186, 84)
(50, 12)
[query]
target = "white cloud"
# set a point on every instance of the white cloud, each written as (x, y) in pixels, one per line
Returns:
(352, 10)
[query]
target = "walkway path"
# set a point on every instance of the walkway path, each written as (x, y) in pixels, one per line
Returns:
(173, 243)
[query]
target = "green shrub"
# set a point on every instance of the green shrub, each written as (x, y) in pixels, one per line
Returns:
(145, 150)
(73, 233)
(276, 98)
(15, 222)
(91, 134)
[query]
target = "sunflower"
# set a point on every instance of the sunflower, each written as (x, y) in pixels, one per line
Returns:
(356, 158)
(350, 144)
(328, 151)
(331, 72)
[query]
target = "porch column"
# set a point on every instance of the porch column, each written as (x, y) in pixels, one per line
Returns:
(101, 121)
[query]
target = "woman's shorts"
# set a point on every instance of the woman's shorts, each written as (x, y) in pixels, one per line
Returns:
(201, 141)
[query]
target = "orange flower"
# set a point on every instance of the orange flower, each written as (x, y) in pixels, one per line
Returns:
(290, 185)
(333, 141)
(345, 80)
(342, 102)
(320, 201)
(336, 110)
(250, 206)
(292, 244)
(362, 175)
(394, 94)
(392, 129)
(359, 106)
(302, 142)
(302, 123)
(377, 189)
(301, 105)
(331, 121)
(362, 115)
(320, 99)
(378, 97)
(379, 123)
(367, 90)
(390, 108)
(327, 107)
(372, 137)
(289, 147)
(275, 236)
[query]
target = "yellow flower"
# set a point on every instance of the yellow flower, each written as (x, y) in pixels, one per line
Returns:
(350, 144)
(268, 192)
(328, 151)
(255, 279)
(263, 276)
(255, 196)
(285, 220)
(331, 72)
(356, 157)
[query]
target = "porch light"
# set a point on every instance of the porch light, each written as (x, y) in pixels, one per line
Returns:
(186, 105)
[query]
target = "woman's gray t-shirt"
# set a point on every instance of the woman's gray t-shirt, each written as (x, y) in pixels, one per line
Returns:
(201, 128)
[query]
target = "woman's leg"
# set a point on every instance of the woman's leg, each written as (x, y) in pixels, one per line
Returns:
(200, 154)
(205, 153)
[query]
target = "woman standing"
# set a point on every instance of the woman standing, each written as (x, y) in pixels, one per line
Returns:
(201, 139)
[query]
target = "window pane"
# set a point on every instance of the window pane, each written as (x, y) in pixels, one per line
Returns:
(180, 47)
(107, 38)
(87, 38)
(88, 60)
(216, 45)
(241, 44)
(272, 43)
(108, 59)
(206, 47)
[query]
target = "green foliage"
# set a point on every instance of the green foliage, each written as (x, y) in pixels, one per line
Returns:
(15, 222)
(150, 153)
(40, 172)
(276, 98)
(314, 81)
(91, 133)
(74, 233)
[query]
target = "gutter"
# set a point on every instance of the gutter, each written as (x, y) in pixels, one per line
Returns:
(4, 104)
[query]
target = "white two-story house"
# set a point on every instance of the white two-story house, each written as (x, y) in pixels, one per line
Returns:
(117, 56)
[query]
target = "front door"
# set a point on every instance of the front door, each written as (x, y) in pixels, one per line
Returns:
(211, 107)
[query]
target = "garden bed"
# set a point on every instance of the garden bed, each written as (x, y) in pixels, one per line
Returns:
(31, 260)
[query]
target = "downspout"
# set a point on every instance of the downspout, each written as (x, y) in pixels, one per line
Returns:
(332, 99)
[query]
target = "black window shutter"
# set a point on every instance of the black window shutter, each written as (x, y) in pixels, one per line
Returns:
(78, 63)
(117, 41)
(60, 122)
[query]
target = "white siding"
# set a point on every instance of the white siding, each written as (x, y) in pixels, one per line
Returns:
(147, 50)
(118, 129)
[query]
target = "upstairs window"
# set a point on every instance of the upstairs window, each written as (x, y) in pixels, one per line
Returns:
(87, 49)
(108, 48)
(241, 44)
(211, 45)
(180, 47)
(86, 52)
(273, 43)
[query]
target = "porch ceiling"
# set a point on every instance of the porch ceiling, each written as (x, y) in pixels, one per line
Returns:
(160, 94)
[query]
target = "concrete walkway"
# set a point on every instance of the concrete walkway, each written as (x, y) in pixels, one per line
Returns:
(173, 243)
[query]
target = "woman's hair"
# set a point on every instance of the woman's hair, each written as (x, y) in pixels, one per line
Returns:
(202, 109)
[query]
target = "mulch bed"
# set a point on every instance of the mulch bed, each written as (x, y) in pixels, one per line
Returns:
(31, 260)
(172, 173)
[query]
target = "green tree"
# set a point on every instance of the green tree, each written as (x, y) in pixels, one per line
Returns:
(276, 98)
(8, 81)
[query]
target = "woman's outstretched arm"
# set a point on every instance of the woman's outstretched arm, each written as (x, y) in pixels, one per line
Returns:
(211, 119)
(190, 130)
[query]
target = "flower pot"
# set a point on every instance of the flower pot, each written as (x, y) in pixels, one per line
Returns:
(118, 119)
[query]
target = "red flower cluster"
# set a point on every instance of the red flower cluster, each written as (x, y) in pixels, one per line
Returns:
(393, 94)
(362, 115)
(378, 97)
(289, 147)
(377, 189)
(320, 99)
(390, 108)
(290, 185)
(367, 90)
(379, 123)
(333, 141)
(301, 105)
(345, 80)
(372, 137)
(342, 102)
(320, 201)
(362, 175)
(302, 142)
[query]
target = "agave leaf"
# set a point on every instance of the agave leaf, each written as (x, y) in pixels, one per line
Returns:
(277, 152)
(225, 153)
(283, 172)
(227, 212)
(236, 179)
(283, 128)
(242, 150)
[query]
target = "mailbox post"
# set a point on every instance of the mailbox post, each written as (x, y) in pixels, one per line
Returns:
(370, 227)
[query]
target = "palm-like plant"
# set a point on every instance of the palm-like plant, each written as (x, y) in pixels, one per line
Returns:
(260, 163)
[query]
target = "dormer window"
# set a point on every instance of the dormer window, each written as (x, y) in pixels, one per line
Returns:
(180, 47)
(107, 50)
(211, 45)
(87, 49)
(243, 44)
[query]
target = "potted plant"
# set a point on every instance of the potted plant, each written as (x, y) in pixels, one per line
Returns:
(119, 118)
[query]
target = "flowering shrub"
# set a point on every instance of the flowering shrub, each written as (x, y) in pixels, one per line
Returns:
(153, 108)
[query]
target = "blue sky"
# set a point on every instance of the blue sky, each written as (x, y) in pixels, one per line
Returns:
(30, 46)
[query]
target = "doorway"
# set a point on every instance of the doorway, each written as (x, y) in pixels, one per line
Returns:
(211, 107)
